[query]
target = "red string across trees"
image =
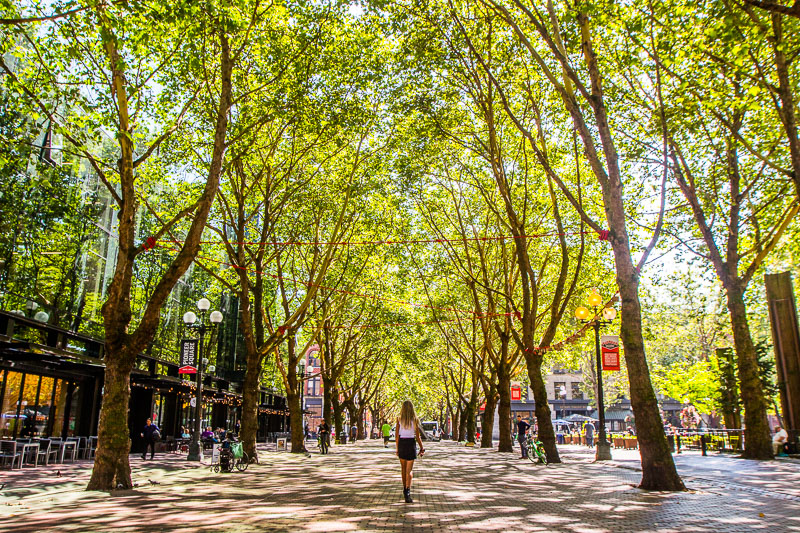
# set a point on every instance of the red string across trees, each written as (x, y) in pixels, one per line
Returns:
(602, 235)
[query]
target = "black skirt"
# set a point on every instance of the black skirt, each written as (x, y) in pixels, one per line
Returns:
(407, 448)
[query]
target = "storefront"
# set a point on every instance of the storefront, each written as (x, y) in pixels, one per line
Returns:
(51, 383)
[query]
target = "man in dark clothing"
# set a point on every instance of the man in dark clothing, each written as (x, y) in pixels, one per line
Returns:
(150, 436)
(522, 429)
(323, 434)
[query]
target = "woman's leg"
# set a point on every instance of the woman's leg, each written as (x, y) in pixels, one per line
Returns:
(403, 471)
(409, 476)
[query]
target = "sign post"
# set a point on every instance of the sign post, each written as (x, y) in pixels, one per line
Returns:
(188, 357)
(609, 345)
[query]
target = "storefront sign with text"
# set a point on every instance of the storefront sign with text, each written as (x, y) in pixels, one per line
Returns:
(609, 347)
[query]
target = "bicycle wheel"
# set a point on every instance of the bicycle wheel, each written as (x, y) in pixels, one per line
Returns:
(541, 455)
(532, 455)
(215, 469)
(241, 464)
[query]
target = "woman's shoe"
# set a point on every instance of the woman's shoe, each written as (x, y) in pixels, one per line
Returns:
(407, 494)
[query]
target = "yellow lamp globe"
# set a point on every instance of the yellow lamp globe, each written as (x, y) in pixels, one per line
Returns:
(582, 313)
(595, 299)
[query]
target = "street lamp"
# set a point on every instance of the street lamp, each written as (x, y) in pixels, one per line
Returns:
(562, 393)
(202, 327)
(301, 375)
(608, 314)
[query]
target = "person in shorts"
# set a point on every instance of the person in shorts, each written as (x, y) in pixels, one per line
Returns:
(407, 436)
(386, 430)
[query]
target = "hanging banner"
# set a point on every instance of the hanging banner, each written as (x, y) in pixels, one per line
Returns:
(188, 357)
(609, 347)
(516, 391)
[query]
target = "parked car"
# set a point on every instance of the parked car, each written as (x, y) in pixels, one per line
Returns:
(430, 430)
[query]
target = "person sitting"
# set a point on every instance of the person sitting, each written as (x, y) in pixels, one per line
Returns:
(208, 436)
(779, 440)
(184, 432)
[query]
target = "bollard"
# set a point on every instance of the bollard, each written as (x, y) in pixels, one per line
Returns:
(678, 441)
(703, 444)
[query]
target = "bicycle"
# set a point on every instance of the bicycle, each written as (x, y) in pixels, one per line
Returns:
(232, 457)
(536, 452)
(322, 443)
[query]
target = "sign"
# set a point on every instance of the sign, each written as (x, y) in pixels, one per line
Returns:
(609, 348)
(193, 401)
(188, 357)
(516, 391)
(215, 453)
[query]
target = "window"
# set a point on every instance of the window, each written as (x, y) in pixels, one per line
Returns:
(577, 393)
(560, 390)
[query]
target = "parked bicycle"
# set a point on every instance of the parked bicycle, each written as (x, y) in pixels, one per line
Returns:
(536, 451)
(231, 457)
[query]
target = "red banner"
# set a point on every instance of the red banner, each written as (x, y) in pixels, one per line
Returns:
(609, 347)
(516, 393)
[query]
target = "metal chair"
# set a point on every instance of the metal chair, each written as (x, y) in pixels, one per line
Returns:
(46, 451)
(8, 450)
(92, 447)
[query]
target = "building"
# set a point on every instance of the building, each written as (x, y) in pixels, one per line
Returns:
(51, 382)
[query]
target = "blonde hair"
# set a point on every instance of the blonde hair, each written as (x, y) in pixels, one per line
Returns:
(408, 419)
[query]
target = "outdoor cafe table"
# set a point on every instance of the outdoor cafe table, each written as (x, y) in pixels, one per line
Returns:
(28, 449)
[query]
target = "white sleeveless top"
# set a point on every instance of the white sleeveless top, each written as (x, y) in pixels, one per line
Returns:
(407, 433)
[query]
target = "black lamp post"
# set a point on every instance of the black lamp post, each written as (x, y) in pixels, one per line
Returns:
(202, 327)
(608, 314)
(301, 376)
(562, 394)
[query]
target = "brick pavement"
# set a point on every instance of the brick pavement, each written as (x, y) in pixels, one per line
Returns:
(357, 488)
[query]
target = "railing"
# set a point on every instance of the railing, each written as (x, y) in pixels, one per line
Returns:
(719, 440)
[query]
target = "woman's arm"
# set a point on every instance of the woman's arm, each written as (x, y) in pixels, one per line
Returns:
(397, 438)
(419, 438)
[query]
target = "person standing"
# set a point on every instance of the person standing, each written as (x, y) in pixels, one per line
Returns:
(778, 440)
(522, 431)
(589, 432)
(407, 435)
(353, 434)
(150, 434)
(323, 434)
(386, 431)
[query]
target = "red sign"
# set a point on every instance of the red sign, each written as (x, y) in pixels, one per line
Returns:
(516, 393)
(609, 347)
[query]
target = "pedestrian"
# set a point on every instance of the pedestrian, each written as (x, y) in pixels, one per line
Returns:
(589, 432)
(353, 433)
(323, 434)
(150, 434)
(778, 440)
(305, 431)
(522, 430)
(237, 428)
(386, 430)
(407, 432)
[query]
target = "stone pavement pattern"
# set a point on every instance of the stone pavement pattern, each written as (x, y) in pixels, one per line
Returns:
(357, 488)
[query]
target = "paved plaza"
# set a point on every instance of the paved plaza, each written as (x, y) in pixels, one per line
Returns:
(358, 488)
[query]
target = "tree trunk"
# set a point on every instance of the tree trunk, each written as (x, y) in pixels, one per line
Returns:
(546, 432)
(658, 468)
(111, 465)
(250, 390)
(338, 411)
(487, 421)
(296, 422)
(462, 422)
(504, 411)
(327, 409)
(455, 425)
(757, 441)
(470, 413)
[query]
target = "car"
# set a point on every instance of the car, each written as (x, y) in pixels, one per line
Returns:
(431, 430)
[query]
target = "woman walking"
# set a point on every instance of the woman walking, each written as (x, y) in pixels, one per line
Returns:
(407, 432)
